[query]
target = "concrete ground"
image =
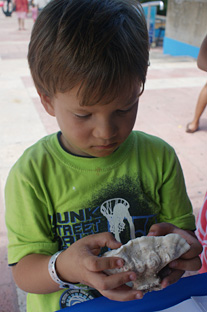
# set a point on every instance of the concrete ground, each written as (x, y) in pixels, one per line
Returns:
(172, 88)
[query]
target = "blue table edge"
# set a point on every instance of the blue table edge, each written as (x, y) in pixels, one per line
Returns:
(195, 285)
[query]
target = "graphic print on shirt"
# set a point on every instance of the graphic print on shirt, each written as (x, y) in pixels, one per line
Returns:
(116, 211)
(75, 296)
(127, 212)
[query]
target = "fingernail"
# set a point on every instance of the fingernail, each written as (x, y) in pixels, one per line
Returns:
(120, 263)
(138, 296)
(132, 277)
(173, 264)
(164, 284)
(151, 234)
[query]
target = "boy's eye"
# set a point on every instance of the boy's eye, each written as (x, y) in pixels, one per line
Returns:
(82, 116)
(125, 111)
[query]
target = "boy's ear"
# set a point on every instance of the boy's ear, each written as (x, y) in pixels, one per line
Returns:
(47, 103)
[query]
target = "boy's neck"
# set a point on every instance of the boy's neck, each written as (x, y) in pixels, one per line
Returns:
(62, 146)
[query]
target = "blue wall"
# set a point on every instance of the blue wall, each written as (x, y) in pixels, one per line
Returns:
(176, 48)
(151, 29)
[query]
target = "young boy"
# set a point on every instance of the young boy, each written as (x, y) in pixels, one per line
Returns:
(96, 183)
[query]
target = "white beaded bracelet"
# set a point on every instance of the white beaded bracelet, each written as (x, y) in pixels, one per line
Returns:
(54, 276)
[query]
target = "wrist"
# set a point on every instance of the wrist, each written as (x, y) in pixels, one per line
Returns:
(63, 268)
(54, 275)
(58, 279)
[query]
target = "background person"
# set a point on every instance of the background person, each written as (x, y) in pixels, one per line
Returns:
(21, 11)
(202, 99)
(34, 11)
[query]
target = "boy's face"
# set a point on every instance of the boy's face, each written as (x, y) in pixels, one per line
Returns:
(96, 130)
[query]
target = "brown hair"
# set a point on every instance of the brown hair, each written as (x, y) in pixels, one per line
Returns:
(101, 45)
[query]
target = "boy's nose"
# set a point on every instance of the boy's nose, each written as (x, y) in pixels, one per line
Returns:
(105, 129)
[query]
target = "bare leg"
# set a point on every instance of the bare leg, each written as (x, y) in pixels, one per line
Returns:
(200, 106)
(23, 24)
(19, 23)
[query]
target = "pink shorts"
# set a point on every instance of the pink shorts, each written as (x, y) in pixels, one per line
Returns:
(21, 15)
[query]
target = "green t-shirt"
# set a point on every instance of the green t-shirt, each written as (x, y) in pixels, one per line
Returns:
(54, 198)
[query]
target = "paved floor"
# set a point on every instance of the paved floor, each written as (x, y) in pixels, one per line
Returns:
(168, 103)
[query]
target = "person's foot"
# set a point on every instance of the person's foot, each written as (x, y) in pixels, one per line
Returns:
(191, 128)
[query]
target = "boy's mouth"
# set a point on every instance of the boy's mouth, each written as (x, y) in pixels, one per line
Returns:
(109, 146)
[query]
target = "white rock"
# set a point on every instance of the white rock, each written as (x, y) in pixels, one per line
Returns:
(146, 256)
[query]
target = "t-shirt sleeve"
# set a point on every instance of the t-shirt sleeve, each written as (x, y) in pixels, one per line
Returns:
(175, 203)
(27, 221)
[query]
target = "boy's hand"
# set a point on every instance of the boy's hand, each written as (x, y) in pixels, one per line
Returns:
(190, 261)
(80, 264)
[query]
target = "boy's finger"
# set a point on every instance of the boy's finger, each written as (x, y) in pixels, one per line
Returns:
(105, 239)
(187, 265)
(97, 264)
(123, 294)
(195, 246)
(161, 229)
(103, 282)
(172, 278)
